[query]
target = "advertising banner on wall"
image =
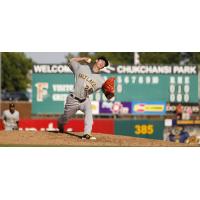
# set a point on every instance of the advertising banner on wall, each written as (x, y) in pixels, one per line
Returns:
(148, 108)
(115, 107)
(76, 125)
(194, 107)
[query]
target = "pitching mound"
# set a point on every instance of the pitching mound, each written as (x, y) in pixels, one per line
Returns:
(29, 138)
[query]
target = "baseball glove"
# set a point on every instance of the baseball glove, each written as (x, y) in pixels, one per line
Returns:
(109, 88)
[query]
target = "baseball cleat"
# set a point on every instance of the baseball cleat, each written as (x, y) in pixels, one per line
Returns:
(61, 129)
(88, 137)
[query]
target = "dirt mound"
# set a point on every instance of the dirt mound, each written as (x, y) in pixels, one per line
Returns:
(30, 138)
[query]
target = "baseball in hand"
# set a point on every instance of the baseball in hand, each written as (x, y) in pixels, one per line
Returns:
(89, 60)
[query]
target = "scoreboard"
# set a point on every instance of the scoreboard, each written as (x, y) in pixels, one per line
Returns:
(167, 88)
(155, 83)
(52, 83)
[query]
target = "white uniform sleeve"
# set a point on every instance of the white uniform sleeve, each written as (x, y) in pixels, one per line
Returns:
(74, 66)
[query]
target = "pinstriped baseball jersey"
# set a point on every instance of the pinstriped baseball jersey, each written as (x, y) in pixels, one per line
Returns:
(86, 81)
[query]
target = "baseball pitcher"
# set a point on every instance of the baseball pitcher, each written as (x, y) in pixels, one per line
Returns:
(87, 81)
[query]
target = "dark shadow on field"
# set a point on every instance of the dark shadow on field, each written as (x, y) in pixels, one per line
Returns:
(68, 133)
(74, 135)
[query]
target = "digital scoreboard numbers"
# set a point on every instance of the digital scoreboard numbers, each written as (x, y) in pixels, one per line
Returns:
(154, 83)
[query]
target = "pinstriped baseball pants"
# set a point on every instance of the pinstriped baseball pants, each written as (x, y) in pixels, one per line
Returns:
(71, 107)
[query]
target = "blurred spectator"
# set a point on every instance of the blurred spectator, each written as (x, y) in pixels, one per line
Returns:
(184, 135)
(172, 136)
(11, 118)
(189, 112)
(179, 135)
(185, 114)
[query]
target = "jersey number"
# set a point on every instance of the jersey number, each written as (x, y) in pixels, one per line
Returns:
(88, 90)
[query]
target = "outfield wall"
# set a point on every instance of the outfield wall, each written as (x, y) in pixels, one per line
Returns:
(137, 128)
(152, 129)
